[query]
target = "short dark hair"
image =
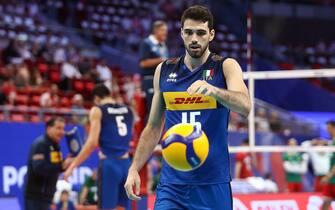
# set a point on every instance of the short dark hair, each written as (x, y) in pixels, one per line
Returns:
(157, 24)
(198, 13)
(51, 122)
(101, 90)
(331, 122)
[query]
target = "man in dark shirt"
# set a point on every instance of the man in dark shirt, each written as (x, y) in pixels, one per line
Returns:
(45, 163)
(153, 51)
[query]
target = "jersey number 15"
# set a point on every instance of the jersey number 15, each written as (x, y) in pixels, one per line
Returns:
(189, 117)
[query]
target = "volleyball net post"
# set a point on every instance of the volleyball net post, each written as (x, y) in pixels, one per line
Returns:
(252, 77)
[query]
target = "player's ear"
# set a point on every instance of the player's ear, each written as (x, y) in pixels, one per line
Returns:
(211, 35)
(182, 33)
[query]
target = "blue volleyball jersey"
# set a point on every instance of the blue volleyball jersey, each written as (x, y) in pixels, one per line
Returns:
(201, 110)
(116, 129)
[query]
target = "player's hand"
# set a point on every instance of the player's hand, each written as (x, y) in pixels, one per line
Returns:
(133, 181)
(201, 87)
(68, 172)
(325, 179)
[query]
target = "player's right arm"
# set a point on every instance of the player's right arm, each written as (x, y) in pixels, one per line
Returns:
(148, 140)
(91, 143)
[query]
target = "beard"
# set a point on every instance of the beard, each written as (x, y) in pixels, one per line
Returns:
(196, 50)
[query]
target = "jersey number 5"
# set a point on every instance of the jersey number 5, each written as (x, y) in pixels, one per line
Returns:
(121, 126)
(189, 117)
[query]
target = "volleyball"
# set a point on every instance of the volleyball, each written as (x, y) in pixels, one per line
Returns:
(185, 147)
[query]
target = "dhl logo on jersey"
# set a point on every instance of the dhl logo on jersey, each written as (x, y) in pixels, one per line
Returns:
(184, 101)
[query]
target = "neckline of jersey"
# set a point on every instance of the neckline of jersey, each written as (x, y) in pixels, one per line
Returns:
(197, 68)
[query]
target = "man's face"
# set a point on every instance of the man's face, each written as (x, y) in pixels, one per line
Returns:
(56, 132)
(292, 142)
(161, 33)
(196, 36)
(64, 197)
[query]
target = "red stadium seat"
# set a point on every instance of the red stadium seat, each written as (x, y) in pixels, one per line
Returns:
(89, 86)
(65, 102)
(78, 85)
(35, 100)
(54, 76)
(43, 68)
(22, 99)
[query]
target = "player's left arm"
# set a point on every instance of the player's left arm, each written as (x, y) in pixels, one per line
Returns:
(235, 97)
(91, 143)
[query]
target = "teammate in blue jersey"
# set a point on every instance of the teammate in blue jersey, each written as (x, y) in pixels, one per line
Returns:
(111, 130)
(198, 88)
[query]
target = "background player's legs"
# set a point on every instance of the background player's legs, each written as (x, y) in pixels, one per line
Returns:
(211, 197)
(109, 178)
(123, 200)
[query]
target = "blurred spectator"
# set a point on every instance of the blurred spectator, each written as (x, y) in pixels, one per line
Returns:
(153, 51)
(35, 77)
(59, 54)
(3, 97)
(65, 203)
(129, 88)
(84, 66)
(104, 74)
(88, 194)
(78, 109)
(23, 48)
(138, 104)
(275, 124)
(50, 98)
(295, 165)
(22, 78)
(78, 101)
(243, 164)
(70, 71)
(262, 124)
(10, 52)
(320, 162)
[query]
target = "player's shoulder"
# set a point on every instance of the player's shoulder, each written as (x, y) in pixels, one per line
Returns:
(173, 61)
(96, 111)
